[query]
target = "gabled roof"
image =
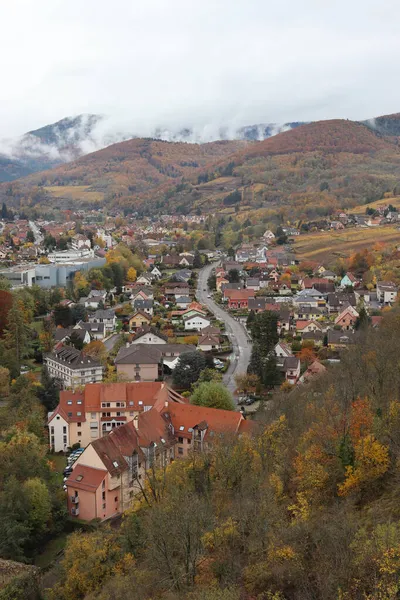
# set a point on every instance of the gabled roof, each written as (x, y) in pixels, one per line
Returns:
(147, 329)
(86, 478)
(73, 358)
(189, 416)
(208, 340)
(110, 455)
(140, 354)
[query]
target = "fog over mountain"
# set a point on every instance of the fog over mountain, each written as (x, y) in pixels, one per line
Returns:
(72, 137)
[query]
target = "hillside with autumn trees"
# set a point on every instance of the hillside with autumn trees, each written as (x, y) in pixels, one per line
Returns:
(305, 509)
(302, 174)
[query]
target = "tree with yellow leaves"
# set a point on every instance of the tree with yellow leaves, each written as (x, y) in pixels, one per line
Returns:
(131, 274)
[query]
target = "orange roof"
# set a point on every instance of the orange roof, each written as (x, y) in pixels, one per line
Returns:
(86, 478)
(189, 415)
(302, 324)
(71, 403)
(238, 294)
(145, 392)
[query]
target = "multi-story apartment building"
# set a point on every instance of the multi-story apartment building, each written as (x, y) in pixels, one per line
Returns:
(72, 367)
(84, 416)
(112, 470)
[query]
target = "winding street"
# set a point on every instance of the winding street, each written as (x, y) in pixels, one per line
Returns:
(234, 330)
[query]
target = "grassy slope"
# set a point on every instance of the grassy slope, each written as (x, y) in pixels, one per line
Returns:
(329, 245)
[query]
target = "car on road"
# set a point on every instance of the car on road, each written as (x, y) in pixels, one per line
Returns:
(204, 289)
(208, 295)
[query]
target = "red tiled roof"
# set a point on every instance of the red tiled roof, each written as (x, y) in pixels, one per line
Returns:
(85, 478)
(189, 415)
(238, 294)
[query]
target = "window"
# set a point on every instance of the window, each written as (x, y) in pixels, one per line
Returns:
(180, 450)
(79, 402)
(116, 499)
(130, 402)
(51, 429)
(103, 484)
(65, 440)
(79, 433)
(104, 506)
(103, 495)
(78, 414)
(70, 414)
(131, 494)
(131, 413)
(79, 424)
(180, 440)
(140, 402)
(69, 402)
(189, 441)
(92, 415)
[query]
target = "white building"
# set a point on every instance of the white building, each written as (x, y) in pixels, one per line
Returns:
(196, 322)
(386, 292)
(73, 368)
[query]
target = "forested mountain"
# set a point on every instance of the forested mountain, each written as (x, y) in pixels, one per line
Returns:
(306, 172)
(72, 137)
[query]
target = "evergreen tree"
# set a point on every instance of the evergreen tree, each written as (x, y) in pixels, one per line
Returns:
(363, 320)
(17, 331)
(256, 363)
(264, 331)
(30, 236)
(197, 262)
(271, 376)
(49, 393)
(188, 369)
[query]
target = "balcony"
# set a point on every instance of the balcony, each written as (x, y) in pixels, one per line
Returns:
(75, 499)
(75, 511)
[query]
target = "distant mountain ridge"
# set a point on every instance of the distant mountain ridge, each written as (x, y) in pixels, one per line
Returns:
(72, 137)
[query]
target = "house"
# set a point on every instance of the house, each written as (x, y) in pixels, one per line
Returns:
(96, 331)
(253, 283)
(149, 335)
(86, 415)
(317, 337)
(346, 318)
(144, 279)
(145, 362)
(257, 304)
(80, 241)
(336, 301)
(106, 317)
(138, 320)
(268, 236)
(307, 312)
(340, 339)
(221, 281)
(386, 292)
(209, 342)
(182, 302)
(176, 288)
(307, 326)
(145, 306)
(139, 362)
(72, 367)
(291, 369)
(238, 298)
(95, 299)
(314, 370)
(113, 469)
(348, 280)
(62, 335)
(156, 273)
(282, 350)
(195, 322)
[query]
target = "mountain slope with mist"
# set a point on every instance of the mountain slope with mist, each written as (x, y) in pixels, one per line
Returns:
(305, 173)
(72, 137)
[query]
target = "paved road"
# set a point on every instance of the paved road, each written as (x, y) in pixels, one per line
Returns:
(235, 330)
(36, 232)
(111, 341)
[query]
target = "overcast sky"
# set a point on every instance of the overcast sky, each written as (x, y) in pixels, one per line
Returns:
(177, 62)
